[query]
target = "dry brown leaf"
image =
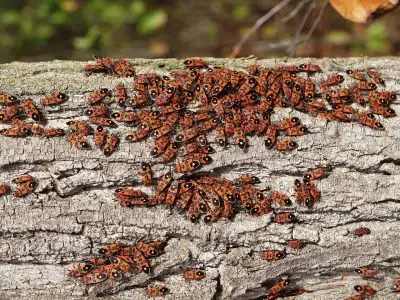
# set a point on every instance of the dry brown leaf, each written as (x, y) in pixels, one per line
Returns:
(361, 11)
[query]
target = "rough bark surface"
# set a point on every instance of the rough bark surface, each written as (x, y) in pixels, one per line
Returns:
(73, 212)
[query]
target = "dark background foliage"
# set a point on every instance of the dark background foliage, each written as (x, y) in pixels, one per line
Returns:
(76, 29)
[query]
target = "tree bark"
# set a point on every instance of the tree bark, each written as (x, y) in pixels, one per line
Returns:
(73, 212)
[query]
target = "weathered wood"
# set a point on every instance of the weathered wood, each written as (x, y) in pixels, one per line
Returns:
(73, 211)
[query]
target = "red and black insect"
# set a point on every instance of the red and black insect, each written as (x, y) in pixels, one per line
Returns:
(141, 132)
(137, 100)
(19, 129)
(278, 288)
(106, 62)
(296, 130)
(376, 77)
(366, 273)
(296, 244)
(31, 110)
(332, 80)
(53, 132)
(356, 74)
(98, 95)
(246, 179)
(273, 255)
(101, 274)
(270, 136)
(187, 166)
(172, 193)
(368, 119)
(159, 146)
(284, 217)
(4, 189)
(195, 62)
(8, 113)
(285, 145)
(157, 290)
(112, 142)
(25, 189)
(311, 68)
(239, 138)
(81, 269)
(79, 127)
(7, 99)
(365, 290)
(194, 274)
(78, 140)
(103, 121)
(100, 136)
(361, 231)
(120, 95)
(365, 86)
(314, 174)
(281, 198)
(145, 173)
(90, 68)
(22, 179)
(54, 98)
(99, 110)
(288, 123)
(171, 151)
(122, 68)
(395, 287)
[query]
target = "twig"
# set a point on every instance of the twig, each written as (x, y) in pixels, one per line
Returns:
(277, 45)
(238, 47)
(292, 49)
(317, 20)
(295, 11)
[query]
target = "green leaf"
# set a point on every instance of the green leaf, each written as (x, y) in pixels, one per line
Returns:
(10, 17)
(240, 12)
(86, 42)
(152, 21)
(377, 30)
(138, 7)
(44, 32)
(114, 13)
(82, 43)
(59, 18)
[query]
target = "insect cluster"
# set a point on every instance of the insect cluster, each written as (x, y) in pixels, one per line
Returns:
(116, 260)
(189, 274)
(364, 290)
(235, 104)
(18, 114)
(120, 67)
(216, 197)
(26, 184)
(179, 111)
(282, 288)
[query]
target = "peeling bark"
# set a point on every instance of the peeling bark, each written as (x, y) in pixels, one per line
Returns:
(73, 212)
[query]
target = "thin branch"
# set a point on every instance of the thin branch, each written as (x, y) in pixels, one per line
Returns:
(286, 43)
(317, 20)
(295, 11)
(238, 47)
(292, 49)
(277, 45)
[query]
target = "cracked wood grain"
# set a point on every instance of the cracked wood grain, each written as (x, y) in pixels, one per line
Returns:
(73, 212)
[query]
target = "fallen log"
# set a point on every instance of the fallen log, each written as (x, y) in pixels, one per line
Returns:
(72, 212)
